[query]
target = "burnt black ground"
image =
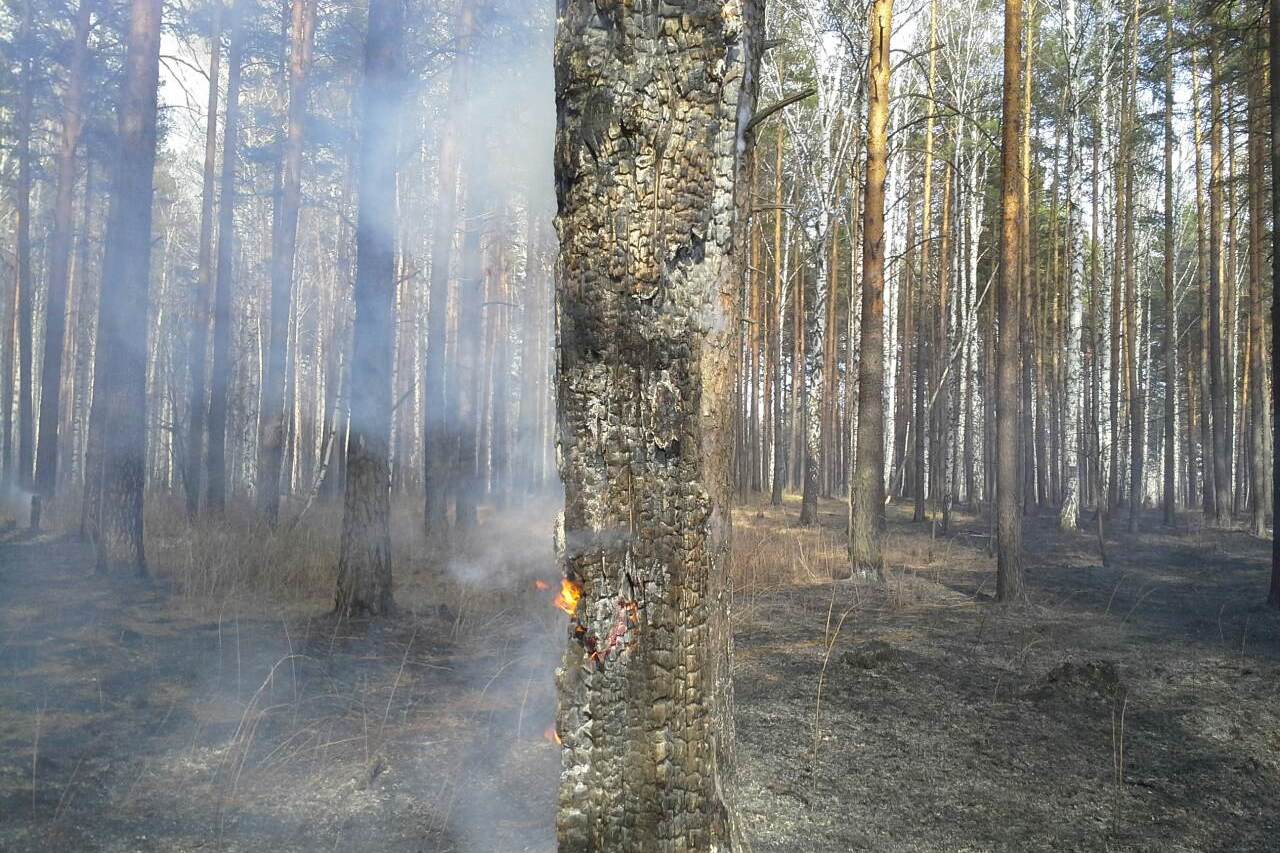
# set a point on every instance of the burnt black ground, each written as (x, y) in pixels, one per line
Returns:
(947, 722)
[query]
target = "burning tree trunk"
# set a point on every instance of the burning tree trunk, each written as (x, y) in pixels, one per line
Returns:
(1008, 517)
(119, 405)
(649, 102)
(59, 260)
(364, 562)
(284, 244)
(866, 490)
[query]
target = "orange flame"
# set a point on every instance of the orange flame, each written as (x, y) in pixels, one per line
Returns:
(551, 735)
(567, 600)
(541, 586)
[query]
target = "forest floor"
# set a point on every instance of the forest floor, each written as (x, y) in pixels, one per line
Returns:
(1134, 707)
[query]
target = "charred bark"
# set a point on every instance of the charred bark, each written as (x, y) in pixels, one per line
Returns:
(648, 165)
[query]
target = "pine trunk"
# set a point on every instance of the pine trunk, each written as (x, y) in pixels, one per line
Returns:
(59, 261)
(866, 491)
(364, 561)
(119, 402)
(647, 355)
(1009, 583)
(284, 241)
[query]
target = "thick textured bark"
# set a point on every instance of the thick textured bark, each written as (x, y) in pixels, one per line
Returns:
(216, 491)
(1219, 391)
(1009, 582)
(60, 260)
(284, 242)
(364, 560)
(437, 436)
(813, 387)
(198, 348)
(648, 101)
(25, 294)
(119, 403)
(866, 488)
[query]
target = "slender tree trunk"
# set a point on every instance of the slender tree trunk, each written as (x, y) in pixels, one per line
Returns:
(779, 314)
(1137, 399)
(120, 373)
(1009, 583)
(1170, 298)
(866, 493)
(22, 239)
(1260, 462)
(59, 260)
(1218, 389)
(1069, 516)
(1273, 55)
(284, 240)
(225, 277)
(438, 440)
(1205, 275)
(198, 353)
(466, 473)
(364, 561)
(645, 413)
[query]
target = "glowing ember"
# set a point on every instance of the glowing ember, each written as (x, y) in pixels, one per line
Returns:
(551, 735)
(541, 586)
(567, 600)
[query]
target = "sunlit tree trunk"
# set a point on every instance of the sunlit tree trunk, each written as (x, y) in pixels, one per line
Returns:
(1218, 389)
(866, 491)
(364, 560)
(225, 275)
(1260, 450)
(646, 374)
(119, 403)
(779, 320)
(284, 241)
(1009, 584)
(59, 259)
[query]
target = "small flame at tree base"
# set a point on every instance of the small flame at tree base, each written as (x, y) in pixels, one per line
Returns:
(551, 735)
(570, 593)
